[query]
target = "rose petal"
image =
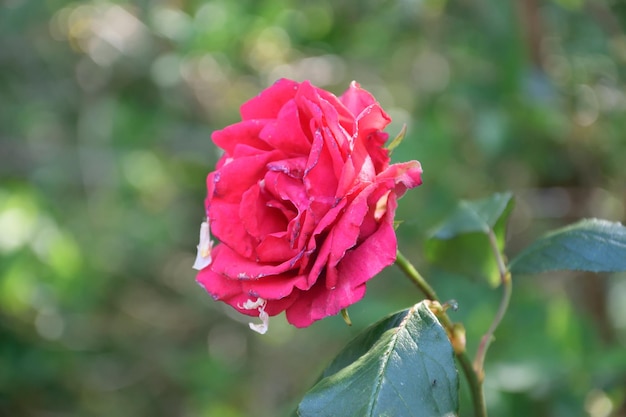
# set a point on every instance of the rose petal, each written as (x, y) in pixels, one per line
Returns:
(404, 176)
(242, 133)
(309, 92)
(342, 236)
(319, 178)
(275, 287)
(270, 101)
(229, 232)
(285, 132)
(334, 144)
(286, 188)
(237, 293)
(229, 263)
(347, 177)
(372, 119)
(356, 268)
(334, 128)
(356, 99)
(234, 178)
(323, 226)
(257, 218)
(293, 167)
(274, 249)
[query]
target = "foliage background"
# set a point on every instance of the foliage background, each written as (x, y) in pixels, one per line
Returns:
(106, 112)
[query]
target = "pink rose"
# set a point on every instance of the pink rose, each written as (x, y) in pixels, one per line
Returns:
(303, 202)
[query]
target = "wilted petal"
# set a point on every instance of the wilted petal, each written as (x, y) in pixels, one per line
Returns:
(203, 256)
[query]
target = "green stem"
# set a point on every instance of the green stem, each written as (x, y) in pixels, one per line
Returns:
(475, 385)
(507, 289)
(471, 376)
(410, 271)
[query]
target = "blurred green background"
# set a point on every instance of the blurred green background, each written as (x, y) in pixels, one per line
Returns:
(106, 112)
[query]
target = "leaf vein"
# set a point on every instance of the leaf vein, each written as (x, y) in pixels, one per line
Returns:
(385, 360)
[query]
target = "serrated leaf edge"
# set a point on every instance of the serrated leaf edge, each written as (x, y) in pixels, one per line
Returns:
(541, 242)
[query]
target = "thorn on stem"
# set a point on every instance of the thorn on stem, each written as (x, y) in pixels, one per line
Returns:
(452, 304)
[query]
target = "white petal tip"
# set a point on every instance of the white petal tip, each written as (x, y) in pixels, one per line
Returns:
(202, 262)
(203, 257)
(259, 328)
(259, 304)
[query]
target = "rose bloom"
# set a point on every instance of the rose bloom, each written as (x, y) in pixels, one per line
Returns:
(302, 202)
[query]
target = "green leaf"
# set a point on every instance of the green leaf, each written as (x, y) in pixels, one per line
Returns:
(398, 139)
(589, 245)
(461, 244)
(401, 366)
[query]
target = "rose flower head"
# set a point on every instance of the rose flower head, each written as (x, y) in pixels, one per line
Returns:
(302, 203)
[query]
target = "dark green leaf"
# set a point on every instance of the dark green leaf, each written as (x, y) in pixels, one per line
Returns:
(400, 366)
(461, 244)
(589, 245)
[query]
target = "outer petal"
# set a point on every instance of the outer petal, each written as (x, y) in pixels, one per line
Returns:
(279, 290)
(371, 119)
(236, 293)
(243, 133)
(228, 231)
(369, 138)
(267, 104)
(230, 264)
(356, 99)
(311, 305)
(235, 177)
(404, 175)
